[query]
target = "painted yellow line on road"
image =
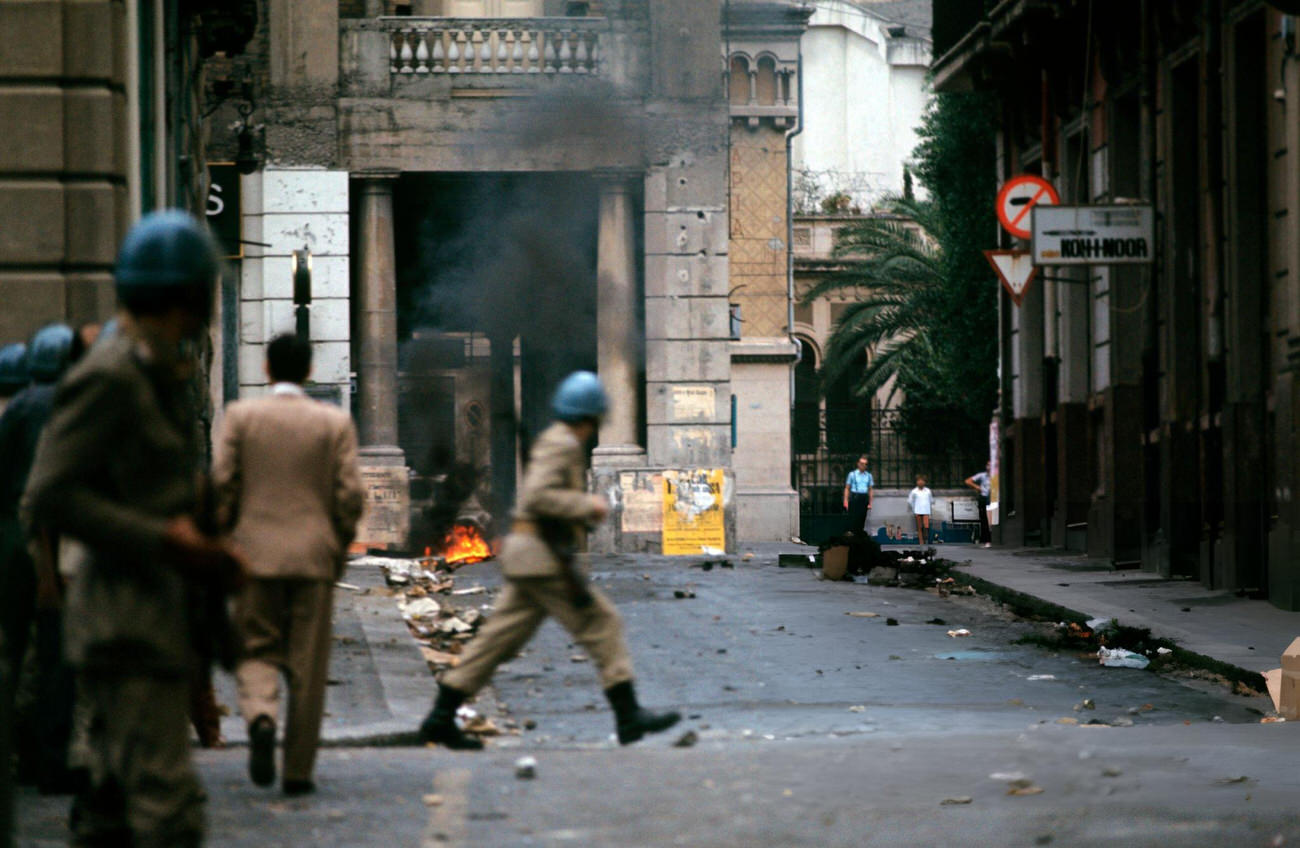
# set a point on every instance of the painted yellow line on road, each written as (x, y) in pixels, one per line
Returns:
(447, 820)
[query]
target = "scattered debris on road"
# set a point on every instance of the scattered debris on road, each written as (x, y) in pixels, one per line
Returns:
(1121, 658)
(438, 626)
(864, 614)
(687, 739)
(1024, 786)
(526, 768)
(958, 633)
(956, 801)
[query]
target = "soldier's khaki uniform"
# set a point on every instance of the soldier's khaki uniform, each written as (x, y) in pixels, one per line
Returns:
(553, 488)
(118, 459)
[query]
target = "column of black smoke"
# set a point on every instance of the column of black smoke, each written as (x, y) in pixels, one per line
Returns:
(514, 255)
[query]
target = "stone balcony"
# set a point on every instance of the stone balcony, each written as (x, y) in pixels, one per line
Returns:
(498, 48)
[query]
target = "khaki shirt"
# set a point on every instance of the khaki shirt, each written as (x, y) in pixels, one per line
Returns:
(118, 459)
(287, 484)
(554, 487)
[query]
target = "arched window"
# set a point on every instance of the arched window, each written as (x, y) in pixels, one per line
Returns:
(848, 417)
(767, 86)
(806, 431)
(738, 81)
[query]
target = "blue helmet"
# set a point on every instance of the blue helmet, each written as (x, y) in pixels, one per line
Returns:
(50, 352)
(13, 367)
(579, 396)
(168, 259)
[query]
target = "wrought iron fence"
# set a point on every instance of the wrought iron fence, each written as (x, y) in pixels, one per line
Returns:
(845, 434)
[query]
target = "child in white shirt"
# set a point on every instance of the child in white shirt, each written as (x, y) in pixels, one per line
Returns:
(919, 500)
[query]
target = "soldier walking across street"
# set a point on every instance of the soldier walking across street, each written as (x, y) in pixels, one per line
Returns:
(117, 468)
(289, 488)
(544, 577)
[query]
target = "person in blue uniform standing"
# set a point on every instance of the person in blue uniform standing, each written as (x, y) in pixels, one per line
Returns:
(857, 495)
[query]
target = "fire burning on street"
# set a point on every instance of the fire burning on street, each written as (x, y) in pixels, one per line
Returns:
(464, 545)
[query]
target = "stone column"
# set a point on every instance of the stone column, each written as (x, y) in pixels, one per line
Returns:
(377, 329)
(618, 343)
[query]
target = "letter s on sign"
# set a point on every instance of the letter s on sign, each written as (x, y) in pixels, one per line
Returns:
(215, 204)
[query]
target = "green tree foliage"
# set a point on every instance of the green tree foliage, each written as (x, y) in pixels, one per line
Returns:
(927, 307)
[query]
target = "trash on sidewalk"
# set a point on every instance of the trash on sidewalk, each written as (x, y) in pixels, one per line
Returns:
(683, 594)
(866, 615)
(709, 550)
(858, 708)
(958, 633)
(1121, 658)
(1273, 680)
(526, 768)
(433, 800)
(956, 800)
(1041, 677)
(1289, 697)
(687, 739)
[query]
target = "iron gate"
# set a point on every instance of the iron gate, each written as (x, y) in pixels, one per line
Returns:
(841, 436)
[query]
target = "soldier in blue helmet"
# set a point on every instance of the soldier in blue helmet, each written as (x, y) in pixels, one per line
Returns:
(13, 371)
(545, 577)
(41, 730)
(118, 469)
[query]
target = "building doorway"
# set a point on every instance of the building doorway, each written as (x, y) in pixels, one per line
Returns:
(496, 287)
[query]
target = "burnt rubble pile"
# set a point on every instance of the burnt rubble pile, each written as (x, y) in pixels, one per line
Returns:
(428, 601)
(910, 569)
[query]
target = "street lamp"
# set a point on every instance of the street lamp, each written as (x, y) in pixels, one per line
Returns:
(302, 291)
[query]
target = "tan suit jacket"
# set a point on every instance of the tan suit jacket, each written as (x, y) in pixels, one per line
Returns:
(288, 486)
(554, 487)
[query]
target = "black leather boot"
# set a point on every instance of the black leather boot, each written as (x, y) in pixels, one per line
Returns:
(440, 725)
(261, 750)
(634, 721)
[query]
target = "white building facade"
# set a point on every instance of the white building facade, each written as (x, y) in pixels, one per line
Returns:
(864, 95)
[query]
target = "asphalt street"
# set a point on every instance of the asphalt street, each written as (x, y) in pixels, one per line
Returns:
(818, 723)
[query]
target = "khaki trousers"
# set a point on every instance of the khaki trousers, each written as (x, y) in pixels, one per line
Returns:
(284, 628)
(524, 604)
(143, 789)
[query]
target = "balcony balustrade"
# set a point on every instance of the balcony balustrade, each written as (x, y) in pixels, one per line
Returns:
(502, 46)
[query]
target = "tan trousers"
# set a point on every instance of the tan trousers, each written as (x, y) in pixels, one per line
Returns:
(143, 789)
(524, 604)
(284, 626)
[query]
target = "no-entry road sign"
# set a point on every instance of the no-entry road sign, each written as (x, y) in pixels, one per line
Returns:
(1018, 196)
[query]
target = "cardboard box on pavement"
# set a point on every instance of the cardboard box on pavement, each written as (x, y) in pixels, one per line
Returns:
(1289, 698)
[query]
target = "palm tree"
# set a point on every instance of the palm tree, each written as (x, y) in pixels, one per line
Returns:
(894, 263)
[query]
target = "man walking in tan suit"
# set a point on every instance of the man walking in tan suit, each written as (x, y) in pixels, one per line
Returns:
(289, 490)
(544, 578)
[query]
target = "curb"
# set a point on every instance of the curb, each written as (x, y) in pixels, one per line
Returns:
(1034, 607)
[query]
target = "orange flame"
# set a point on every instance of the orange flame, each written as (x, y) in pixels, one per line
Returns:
(465, 544)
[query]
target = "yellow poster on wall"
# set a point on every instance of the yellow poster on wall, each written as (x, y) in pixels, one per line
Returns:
(692, 510)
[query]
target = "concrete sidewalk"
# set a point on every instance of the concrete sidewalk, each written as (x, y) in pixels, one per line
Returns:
(1248, 635)
(380, 687)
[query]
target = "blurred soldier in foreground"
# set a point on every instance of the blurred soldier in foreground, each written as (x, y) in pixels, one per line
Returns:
(287, 482)
(13, 376)
(13, 371)
(543, 577)
(30, 589)
(118, 469)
